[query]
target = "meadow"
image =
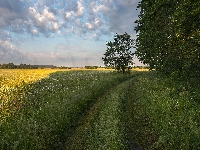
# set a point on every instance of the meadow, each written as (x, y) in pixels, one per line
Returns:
(14, 83)
(51, 109)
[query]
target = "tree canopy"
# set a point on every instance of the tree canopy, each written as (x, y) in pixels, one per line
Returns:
(118, 54)
(168, 37)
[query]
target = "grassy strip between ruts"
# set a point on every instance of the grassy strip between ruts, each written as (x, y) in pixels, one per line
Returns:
(53, 107)
(103, 127)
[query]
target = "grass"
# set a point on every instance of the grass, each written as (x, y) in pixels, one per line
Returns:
(105, 110)
(14, 83)
(163, 113)
(148, 111)
(51, 112)
(102, 127)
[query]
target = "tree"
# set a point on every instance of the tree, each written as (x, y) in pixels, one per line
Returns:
(168, 35)
(155, 30)
(118, 54)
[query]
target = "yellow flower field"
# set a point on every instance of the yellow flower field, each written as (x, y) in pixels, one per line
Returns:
(11, 81)
(10, 78)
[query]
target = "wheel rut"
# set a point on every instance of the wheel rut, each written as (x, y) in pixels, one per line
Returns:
(87, 122)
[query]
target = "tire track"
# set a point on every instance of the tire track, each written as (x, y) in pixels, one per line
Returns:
(88, 136)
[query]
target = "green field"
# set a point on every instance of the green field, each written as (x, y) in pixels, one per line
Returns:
(101, 110)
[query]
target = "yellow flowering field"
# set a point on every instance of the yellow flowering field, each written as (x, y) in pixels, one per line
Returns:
(14, 77)
(12, 86)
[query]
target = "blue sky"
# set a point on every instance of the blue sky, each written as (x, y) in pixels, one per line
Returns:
(62, 32)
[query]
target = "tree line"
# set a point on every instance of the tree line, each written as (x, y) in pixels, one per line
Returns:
(24, 66)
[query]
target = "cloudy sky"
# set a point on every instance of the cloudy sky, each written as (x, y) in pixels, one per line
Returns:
(62, 32)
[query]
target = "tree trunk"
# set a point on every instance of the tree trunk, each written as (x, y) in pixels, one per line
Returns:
(123, 70)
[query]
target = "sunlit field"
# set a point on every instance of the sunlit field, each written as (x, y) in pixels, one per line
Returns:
(97, 109)
(37, 113)
(14, 83)
(11, 78)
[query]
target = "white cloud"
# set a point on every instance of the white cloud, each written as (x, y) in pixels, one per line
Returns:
(37, 19)
(58, 32)
(9, 53)
(45, 22)
(35, 32)
(102, 9)
(73, 9)
(42, 19)
(48, 15)
(68, 15)
(89, 25)
(56, 26)
(90, 19)
(98, 22)
(80, 8)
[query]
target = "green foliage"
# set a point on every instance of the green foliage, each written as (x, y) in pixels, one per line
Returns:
(168, 35)
(63, 67)
(25, 66)
(163, 113)
(118, 54)
(91, 67)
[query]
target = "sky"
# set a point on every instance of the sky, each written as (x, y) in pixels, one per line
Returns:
(69, 33)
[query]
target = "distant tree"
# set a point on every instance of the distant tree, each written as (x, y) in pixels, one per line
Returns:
(91, 67)
(21, 66)
(3, 66)
(118, 54)
(10, 66)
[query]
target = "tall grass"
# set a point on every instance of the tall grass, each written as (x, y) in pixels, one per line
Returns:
(101, 110)
(163, 113)
(103, 127)
(53, 107)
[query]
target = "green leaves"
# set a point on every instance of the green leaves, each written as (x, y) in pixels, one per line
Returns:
(118, 54)
(168, 35)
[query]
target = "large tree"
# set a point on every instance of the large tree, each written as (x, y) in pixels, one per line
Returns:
(118, 53)
(168, 35)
